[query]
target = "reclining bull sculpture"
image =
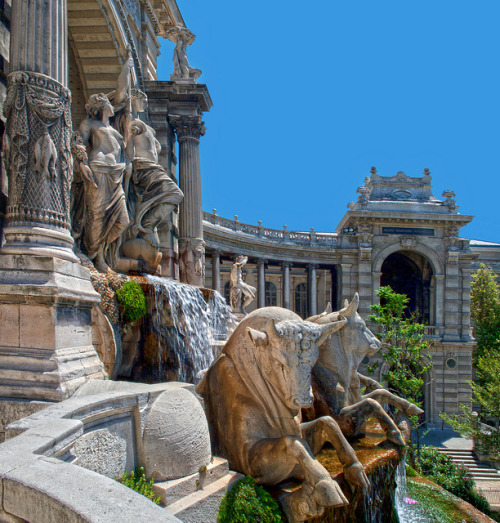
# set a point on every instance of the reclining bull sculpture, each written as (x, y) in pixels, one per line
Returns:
(337, 382)
(254, 392)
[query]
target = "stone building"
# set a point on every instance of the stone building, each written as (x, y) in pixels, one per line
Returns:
(397, 233)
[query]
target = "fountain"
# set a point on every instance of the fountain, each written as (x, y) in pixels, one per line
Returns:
(180, 335)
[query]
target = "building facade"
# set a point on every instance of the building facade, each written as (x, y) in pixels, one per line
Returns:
(397, 233)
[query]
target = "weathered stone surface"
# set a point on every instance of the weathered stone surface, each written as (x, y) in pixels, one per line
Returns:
(254, 392)
(109, 451)
(176, 437)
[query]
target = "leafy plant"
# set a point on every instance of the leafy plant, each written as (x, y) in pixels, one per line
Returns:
(485, 310)
(439, 467)
(138, 482)
(404, 348)
(247, 502)
(131, 296)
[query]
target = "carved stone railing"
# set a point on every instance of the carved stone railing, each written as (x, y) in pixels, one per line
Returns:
(312, 238)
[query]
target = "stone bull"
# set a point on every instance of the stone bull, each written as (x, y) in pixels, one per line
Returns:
(254, 392)
(337, 382)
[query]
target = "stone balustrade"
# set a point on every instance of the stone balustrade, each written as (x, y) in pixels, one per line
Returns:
(312, 238)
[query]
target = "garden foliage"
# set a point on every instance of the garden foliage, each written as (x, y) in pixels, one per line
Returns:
(247, 502)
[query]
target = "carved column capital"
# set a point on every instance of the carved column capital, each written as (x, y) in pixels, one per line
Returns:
(187, 127)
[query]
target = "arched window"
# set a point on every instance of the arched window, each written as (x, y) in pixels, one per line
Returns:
(301, 299)
(271, 295)
(227, 290)
(411, 274)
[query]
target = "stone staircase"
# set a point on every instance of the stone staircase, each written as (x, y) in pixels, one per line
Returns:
(196, 498)
(479, 471)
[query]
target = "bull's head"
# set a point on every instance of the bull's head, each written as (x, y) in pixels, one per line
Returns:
(356, 338)
(286, 352)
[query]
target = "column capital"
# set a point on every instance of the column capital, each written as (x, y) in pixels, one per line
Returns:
(187, 127)
(286, 264)
(261, 261)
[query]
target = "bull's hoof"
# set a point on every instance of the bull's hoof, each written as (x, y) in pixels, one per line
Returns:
(395, 437)
(355, 475)
(413, 410)
(328, 494)
(305, 502)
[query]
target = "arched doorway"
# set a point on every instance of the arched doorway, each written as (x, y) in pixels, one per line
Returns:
(410, 273)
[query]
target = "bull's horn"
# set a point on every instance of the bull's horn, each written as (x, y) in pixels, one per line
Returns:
(274, 336)
(258, 338)
(330, 328)
(346, 303)
(350, 310)
(314, 319)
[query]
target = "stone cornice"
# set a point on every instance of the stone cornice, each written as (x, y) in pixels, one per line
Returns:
(175, 94)
(354, 217)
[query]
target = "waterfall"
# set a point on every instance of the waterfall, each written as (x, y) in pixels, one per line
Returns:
(408, 510)
(183, 326)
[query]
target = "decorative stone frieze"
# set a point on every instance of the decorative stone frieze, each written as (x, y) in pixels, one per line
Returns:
(37, 150)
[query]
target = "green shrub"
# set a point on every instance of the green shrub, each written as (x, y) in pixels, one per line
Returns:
(137, 481)
(133, 300)
(455, 478)
(247, 502)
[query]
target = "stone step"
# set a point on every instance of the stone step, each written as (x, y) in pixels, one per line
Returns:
(477, 469)
(202, 506)
(173, 490)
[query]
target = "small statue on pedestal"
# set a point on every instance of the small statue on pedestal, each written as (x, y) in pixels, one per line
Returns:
(182, 37)
(241, 294)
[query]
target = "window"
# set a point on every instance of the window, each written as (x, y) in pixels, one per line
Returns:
(227, 290)
(271, 295)
(301, 300)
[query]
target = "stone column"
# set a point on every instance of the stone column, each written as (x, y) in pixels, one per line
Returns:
(216, 271)
(285, 271)
(46, 297)
(261, 283)
(312, 292)
(189, 129)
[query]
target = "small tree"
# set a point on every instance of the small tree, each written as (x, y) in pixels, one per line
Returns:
(486, 393)
(485, 310)
(404, 348)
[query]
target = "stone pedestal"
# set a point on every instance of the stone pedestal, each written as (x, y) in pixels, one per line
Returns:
(46, 349)
(46, 296)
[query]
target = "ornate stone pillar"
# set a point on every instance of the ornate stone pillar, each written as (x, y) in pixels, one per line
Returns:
(216, 271)
(46, 297)
(37, 148)
(189, 129)
(285, 272)
(312, 289)
(261, 283)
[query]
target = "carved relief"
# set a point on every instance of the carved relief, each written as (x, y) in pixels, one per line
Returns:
(408, 242)
(187, 127)
(37, 149)
(192, 261)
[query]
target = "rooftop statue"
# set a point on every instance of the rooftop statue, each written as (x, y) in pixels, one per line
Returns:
(151, 194)
(337, 382)
(182, 37)
(241, 294)
(254, 392)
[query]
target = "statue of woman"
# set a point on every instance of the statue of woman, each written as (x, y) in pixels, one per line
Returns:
(151, 194)
(241, 294)
(106, 214)
(182, 37)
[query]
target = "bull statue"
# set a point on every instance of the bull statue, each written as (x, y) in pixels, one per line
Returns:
(337, 382)
(254, 392)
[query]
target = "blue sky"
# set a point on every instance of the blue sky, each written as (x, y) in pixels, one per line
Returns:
(309, 95)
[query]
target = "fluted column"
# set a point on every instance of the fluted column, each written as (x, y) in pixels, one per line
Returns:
(261, 283)
(37, 143)
(312, 289)
(189, 129)
(216, 271)
(285, 273)
(46, 297)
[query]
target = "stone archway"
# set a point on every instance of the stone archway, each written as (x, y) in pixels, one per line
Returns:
(410, 273)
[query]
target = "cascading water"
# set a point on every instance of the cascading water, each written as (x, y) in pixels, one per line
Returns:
(407, 509)
(180, 327)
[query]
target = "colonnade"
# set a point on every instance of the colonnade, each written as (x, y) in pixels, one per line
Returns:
(311, 270)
